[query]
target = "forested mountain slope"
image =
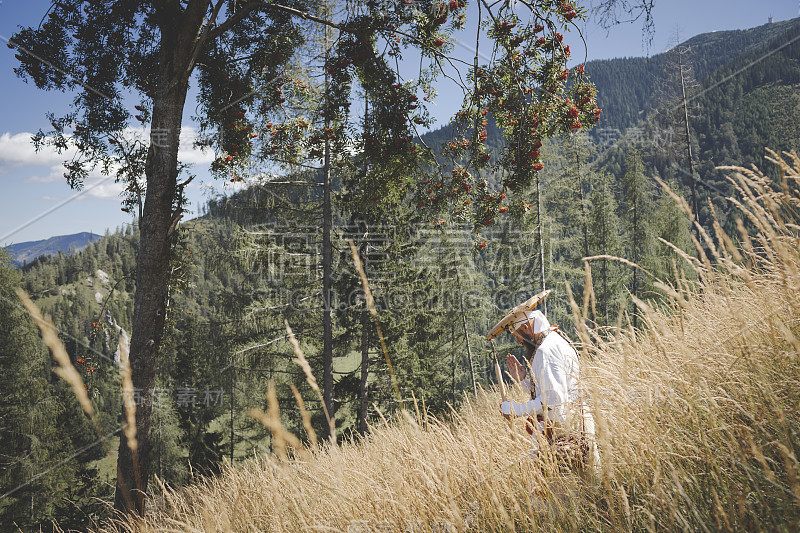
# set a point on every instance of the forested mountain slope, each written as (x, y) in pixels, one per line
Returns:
(697, 422)
(628, 87)
(252, 263)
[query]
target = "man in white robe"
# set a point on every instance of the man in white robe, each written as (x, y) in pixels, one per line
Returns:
(552, 383)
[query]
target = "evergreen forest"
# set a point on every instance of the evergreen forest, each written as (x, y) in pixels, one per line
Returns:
(264, 258)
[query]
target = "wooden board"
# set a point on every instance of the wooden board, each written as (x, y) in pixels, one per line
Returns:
(524, 306)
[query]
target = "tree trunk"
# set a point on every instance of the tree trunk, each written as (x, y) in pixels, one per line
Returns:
(152, 282)
(685, 104)
(327, 322)
(327, 261)
(635, 290)
(155, 244)
(363, 389)
(232, 400)
(582, 198)
(363, 392)
(605, 272)
(453, 363)
(466, 336)
(541, 241)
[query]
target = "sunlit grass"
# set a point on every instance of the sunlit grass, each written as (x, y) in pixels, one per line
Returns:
(697, 420)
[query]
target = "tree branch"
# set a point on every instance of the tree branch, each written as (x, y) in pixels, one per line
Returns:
(233, 20)
(201, 40)
(174, 224)
(253, 5)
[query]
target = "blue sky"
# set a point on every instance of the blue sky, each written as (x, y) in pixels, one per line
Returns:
(35, 201)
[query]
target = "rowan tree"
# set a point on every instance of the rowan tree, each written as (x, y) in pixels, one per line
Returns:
(130, 64)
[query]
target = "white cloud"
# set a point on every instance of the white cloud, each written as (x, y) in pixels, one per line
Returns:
(188, 152)
(94, 186)
(17, 150)
(56, 175)
(102, 187)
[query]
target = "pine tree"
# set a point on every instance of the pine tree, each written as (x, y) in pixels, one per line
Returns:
(637, 210)
(34, 473)
(605, 239)
(679, 108)
(567, 184)
(671, 224)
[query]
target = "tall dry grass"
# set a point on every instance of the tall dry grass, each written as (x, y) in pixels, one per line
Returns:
(697, 421)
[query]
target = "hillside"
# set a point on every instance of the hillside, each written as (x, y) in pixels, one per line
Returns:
(252, 264)
(628, 87)
(743, 92)
(697, 415)
(25, 252)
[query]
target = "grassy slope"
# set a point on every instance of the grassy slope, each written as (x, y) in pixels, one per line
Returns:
(697, 425)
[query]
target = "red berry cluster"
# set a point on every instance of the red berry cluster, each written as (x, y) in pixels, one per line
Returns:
(568, 11)
(85, 366)
(531, 95)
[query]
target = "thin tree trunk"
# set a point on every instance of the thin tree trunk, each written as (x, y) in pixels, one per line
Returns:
(327, 263)
(541, 241)
(363, 392)
(685, 104)
(466, 336)
(161, 456)
(363, 389)
(30, 452)
(605, 274)
(606, 216)
(635, 259)
(233, 376)
(584, 213)
(453, 363)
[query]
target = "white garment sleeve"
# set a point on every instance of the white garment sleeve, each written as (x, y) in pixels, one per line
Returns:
(521, 409)
(537, 376)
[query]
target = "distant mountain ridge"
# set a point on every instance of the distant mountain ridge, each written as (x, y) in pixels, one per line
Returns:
(627, 87)
(25, 252)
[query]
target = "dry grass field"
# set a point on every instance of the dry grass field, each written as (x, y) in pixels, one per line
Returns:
(697, 415)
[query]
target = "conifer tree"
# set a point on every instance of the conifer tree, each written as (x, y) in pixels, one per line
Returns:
(567, 183)
(568, 188)
(671, 224)
(605, 239)
(679, 108)
(637, 210)
(31, 489)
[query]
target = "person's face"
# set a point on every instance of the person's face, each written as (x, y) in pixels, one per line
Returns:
(523, 333)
